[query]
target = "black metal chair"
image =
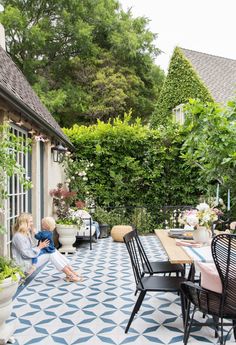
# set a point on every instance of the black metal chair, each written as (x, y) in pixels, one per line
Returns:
(148, 283)
(218, 305)
(159, 267)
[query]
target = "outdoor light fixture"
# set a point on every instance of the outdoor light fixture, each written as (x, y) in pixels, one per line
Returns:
(58, 153)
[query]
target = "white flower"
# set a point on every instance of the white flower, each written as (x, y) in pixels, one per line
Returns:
(203, 206)
(192, 219)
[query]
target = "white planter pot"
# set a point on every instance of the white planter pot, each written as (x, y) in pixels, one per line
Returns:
(202, 235)
(67, 236)
(7, 290)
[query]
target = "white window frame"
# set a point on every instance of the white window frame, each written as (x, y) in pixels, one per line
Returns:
(178, 113)
(17, 201)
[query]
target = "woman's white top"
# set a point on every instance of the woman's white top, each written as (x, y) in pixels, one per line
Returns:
(23, 250)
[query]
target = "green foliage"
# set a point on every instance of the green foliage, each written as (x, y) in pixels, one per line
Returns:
(85, 59)
(138, 217)
(210, 143)
(181, 84)
(9, 269)
(102, 216)
(130, 164)
(10, 146)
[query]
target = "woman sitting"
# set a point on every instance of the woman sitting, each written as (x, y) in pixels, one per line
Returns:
(24, 250)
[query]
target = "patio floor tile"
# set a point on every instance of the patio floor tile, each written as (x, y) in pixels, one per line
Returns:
(50, 311)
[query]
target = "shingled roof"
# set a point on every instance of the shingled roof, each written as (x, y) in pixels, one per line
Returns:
(15, 89)
(217, 73)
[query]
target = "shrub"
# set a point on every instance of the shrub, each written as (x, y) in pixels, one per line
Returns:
(130, 164)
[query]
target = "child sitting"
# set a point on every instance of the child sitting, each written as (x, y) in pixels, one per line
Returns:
(48, 225)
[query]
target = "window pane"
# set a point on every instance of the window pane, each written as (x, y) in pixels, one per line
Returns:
(17, 201)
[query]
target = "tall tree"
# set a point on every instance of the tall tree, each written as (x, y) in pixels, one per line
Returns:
(86, 59)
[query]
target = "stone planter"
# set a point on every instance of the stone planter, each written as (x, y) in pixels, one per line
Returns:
(7, 290)
(67, 237)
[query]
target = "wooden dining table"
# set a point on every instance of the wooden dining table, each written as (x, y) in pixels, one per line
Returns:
(176, 254)
(181, 254)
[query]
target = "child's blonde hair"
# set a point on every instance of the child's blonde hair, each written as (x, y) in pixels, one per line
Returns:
(22, 223)
(48, 223)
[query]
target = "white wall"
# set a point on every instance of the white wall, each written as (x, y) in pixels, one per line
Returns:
(54, 174)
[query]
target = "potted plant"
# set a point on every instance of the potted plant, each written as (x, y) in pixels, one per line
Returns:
(67, 222)
(103, 217)
(9, 277)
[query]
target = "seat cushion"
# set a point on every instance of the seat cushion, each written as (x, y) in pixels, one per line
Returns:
(210, 278)
(119, 231)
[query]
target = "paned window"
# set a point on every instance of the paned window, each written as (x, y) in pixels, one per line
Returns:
(178, 113)
(18, 198)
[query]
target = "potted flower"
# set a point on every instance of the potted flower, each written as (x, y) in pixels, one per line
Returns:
(67, 222)
(9, 277)
(201, 220)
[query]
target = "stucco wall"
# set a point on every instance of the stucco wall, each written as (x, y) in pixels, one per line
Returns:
(54, 174)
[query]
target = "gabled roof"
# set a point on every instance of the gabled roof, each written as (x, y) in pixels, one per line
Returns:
(15, 89)
(217, 73)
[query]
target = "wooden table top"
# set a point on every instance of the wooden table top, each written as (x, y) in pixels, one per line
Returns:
(176, 254)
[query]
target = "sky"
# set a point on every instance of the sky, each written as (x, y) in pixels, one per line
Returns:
(208, 26)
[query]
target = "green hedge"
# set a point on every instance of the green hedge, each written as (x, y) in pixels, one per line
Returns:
(181, 84)
(127, 163)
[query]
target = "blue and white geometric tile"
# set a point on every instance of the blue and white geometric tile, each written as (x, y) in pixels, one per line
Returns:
(51, 311)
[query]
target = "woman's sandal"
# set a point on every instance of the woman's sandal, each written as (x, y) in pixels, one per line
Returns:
(73, 278)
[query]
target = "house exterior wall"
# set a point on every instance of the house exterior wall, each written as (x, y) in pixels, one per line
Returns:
(53, 173)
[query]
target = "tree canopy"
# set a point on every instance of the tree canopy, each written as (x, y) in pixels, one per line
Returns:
(86, 59)
(210, 141)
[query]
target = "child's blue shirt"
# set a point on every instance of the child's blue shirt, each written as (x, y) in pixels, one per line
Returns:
(46, 235)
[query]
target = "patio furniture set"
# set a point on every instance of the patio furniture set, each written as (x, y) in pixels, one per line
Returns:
(217, 299)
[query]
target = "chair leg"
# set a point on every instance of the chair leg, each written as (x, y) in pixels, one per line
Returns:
(234, 329)
(136, 309)
(221, 332)
(216, 323)
(188, 323)
(183, 307)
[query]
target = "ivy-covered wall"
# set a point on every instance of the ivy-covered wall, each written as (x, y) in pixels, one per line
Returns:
(126, 163)
(181, 84)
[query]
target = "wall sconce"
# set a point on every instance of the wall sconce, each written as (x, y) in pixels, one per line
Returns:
(58, 153)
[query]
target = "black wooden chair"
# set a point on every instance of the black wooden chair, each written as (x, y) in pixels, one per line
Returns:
(159, 267)
(218, 305)
(148, 283)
